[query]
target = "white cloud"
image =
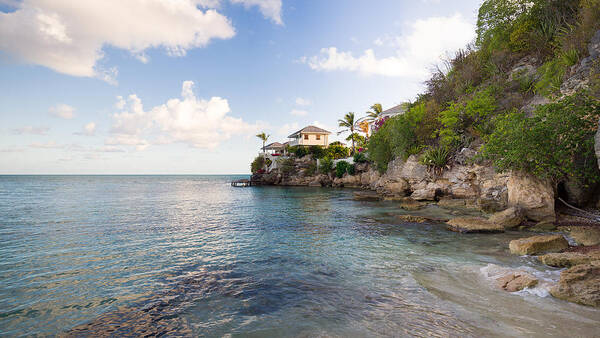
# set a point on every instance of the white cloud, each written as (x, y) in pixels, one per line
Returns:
(197, 122)
(64, 111)
(287, 129)
(88, 130)
(269, 8)
(303, 102)
(31, 130)
(68, 36)
(297, 112)
(47, 145)
(428, 40)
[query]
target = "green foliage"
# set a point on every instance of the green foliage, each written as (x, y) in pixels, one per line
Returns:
(286, 165)
(299, 151)
(351, 169)
(326, 165)
(552, 73)
(436, 157)
(257, 164)
(311, 169)
(317, 151)
(341, 168)
(360, 158)
(336, 151)
(556, 143)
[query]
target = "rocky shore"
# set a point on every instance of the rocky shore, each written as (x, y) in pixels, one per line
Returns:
(503, 201)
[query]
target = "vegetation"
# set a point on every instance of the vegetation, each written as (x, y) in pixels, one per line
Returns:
(341, 168)
(360, 158)
(326, 165)
(337, 151)
(556, 143)
(436, 157)
(286, 165)
(264, 137)
(375, 113)
(348, 123)
(257, 164)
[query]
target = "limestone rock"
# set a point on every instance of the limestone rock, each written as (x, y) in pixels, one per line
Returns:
(568, 259)
(397, 187)
(516, 281)
(534, 196)
(538, 245)
(473, 224)
(412, 218)
(426, 194)
(509, 218)
(366, 196)
(579, 284)
(543, 227)
(585, 235)
(410, 204)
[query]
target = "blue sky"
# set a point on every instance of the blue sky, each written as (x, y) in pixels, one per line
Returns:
(182, 88)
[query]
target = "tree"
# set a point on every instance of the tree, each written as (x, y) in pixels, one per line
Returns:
(349, 124)
(264, 137)
(375, 113)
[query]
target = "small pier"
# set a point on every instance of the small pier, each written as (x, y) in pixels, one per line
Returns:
(241, 183)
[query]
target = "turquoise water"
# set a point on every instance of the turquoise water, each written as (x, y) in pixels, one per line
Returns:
(190, 255)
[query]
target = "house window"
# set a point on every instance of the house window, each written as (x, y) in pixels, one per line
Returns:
(306, 136)
(318, 137)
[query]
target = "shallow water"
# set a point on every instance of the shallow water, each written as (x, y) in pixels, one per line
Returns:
(190, 255)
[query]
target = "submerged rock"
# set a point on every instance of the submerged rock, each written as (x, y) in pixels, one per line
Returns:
(543, 227)
(366, 196)
(516, 281)
(412, 218)
(410, 204)
(509, 218)
(538, 244)
(569, 259)
(473, 224)
(586, 235)
(534, 196)
(579, 284)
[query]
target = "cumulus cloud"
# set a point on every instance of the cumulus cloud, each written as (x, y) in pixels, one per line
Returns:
(427, 41)
(269, 8)
(197, 122)
(297, 112)
(31, 130)
(287, 129)
(64, 111)
(303, 102)
(68, 36)
(88, 130)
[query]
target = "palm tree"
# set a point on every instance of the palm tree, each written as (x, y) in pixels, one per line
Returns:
(264, 137)
(348, 123)
(375, 112)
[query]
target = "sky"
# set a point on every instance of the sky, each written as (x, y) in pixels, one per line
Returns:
(183, 86)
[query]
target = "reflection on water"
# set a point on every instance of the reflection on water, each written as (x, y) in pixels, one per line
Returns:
(190, 255)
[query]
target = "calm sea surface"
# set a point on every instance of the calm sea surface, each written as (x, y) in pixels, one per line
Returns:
(190, 255)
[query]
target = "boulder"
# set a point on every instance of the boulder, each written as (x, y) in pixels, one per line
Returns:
(396, 187)
(516, 281)
(509, 218)
(534, 196)
(426, 194)
(569, 259)
(538, 244)
(579, 284)
(586, 235)
(473, 224)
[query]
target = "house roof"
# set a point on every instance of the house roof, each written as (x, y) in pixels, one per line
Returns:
(274, 145)
(310, 129)
(399, 109)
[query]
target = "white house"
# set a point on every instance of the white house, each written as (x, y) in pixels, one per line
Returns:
(310, 136)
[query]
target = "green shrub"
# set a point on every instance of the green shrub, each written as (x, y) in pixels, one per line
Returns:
(556, 143)
(257, 164)
(553, 72)
(436, 157)
(317, 152)
(341, 168)
(351, 169)
(360, 158)
(311, 169)
(336, 151)
(326, 165)
(286, 165)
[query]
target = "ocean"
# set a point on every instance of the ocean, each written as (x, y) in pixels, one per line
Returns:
(193, 256)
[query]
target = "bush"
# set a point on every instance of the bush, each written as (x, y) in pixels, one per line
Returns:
(436, 157)
(336, 151)
(341, 168)
(326, 165)
(286, 165)
(556, 143)
(317, 152)
(351, 169)
(360, 158)
(552, 73)
(257, 164)
(311, 169)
